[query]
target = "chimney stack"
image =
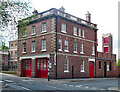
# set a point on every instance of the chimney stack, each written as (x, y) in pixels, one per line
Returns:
(35, 12)
(88, 16)
(62, 9)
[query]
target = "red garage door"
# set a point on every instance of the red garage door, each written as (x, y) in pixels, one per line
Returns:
(26, 68)
(91, 69)
(41, 68)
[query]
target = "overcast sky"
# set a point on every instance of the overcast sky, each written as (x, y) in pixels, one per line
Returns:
(104, 13)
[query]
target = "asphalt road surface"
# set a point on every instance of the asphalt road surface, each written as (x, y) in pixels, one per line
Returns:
(36, 84)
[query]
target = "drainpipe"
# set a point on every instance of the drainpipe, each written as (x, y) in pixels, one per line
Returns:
(56, 47)
(95, 50)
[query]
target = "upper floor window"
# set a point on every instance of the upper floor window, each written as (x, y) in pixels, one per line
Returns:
(60, 44)
(11, 45)
(75, 47)
(16, 45)
(79, 32)
(11, 54)
(75, 31)
(43, 44)
(43, 27)
(3, 58)
(83, 33)
(106, 49)
(105, 40)
(15, 54)
(66, 65)
(33, 30)
(24, 47)
(33, 46)
(63, 28)
(82, 48)
(24, 33)
(66, 45)
(82, 66)
(93, 50)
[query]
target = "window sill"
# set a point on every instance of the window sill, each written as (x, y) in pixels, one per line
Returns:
(59, 50)
(66, 71)
(43, 50)
(75, 51)
(63, 31)
(83, 36)
(93, 54)
(33, 34)
(74, 34)
(66, 50)
(82, 71)
(32, 51)
(23, 52)
(81, 53)
(43, 32)
(24, 36)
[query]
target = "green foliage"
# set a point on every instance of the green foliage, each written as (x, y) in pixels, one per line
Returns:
(10, 9)
(118, 63)
(3, 46)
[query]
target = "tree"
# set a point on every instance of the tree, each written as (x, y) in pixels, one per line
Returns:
(3, 46)
(10, 12)
(118, 63)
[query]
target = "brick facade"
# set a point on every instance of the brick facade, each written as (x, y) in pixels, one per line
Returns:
(54, 19)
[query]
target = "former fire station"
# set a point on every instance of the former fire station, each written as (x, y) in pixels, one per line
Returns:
(63, 44)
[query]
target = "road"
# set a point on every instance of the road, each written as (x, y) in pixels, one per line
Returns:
(33, 84)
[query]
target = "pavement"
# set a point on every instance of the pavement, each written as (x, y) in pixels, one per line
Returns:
(65, 80)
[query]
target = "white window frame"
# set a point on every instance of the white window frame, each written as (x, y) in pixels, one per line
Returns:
(79, 32)
(75, 47)
(16, 45)
(33, 30)
(11, 55)
(60, 45)
(93, 50)
(63, 27)
(82, 48)
(33, 46)
(66, 64)
(11, 45)
(15, 53)
(75, 31)
(44, 27)
(43, 44)
(66, 44)
(83, 33)
(24, 48)
(82, 66)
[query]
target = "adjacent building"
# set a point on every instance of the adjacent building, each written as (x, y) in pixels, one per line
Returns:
(4, 60)
(67, 42)
(12, 62)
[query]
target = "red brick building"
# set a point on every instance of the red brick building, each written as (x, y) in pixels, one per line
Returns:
(12, 62)
(4, 60)
(106, 60)
(70, 43)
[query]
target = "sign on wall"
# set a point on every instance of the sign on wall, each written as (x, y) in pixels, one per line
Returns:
(55, 59)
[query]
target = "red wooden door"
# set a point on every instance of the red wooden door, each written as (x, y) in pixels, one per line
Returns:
(26, 68)
(41, 68)
(91, 69)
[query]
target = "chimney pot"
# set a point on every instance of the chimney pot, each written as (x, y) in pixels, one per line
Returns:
(88, 16)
